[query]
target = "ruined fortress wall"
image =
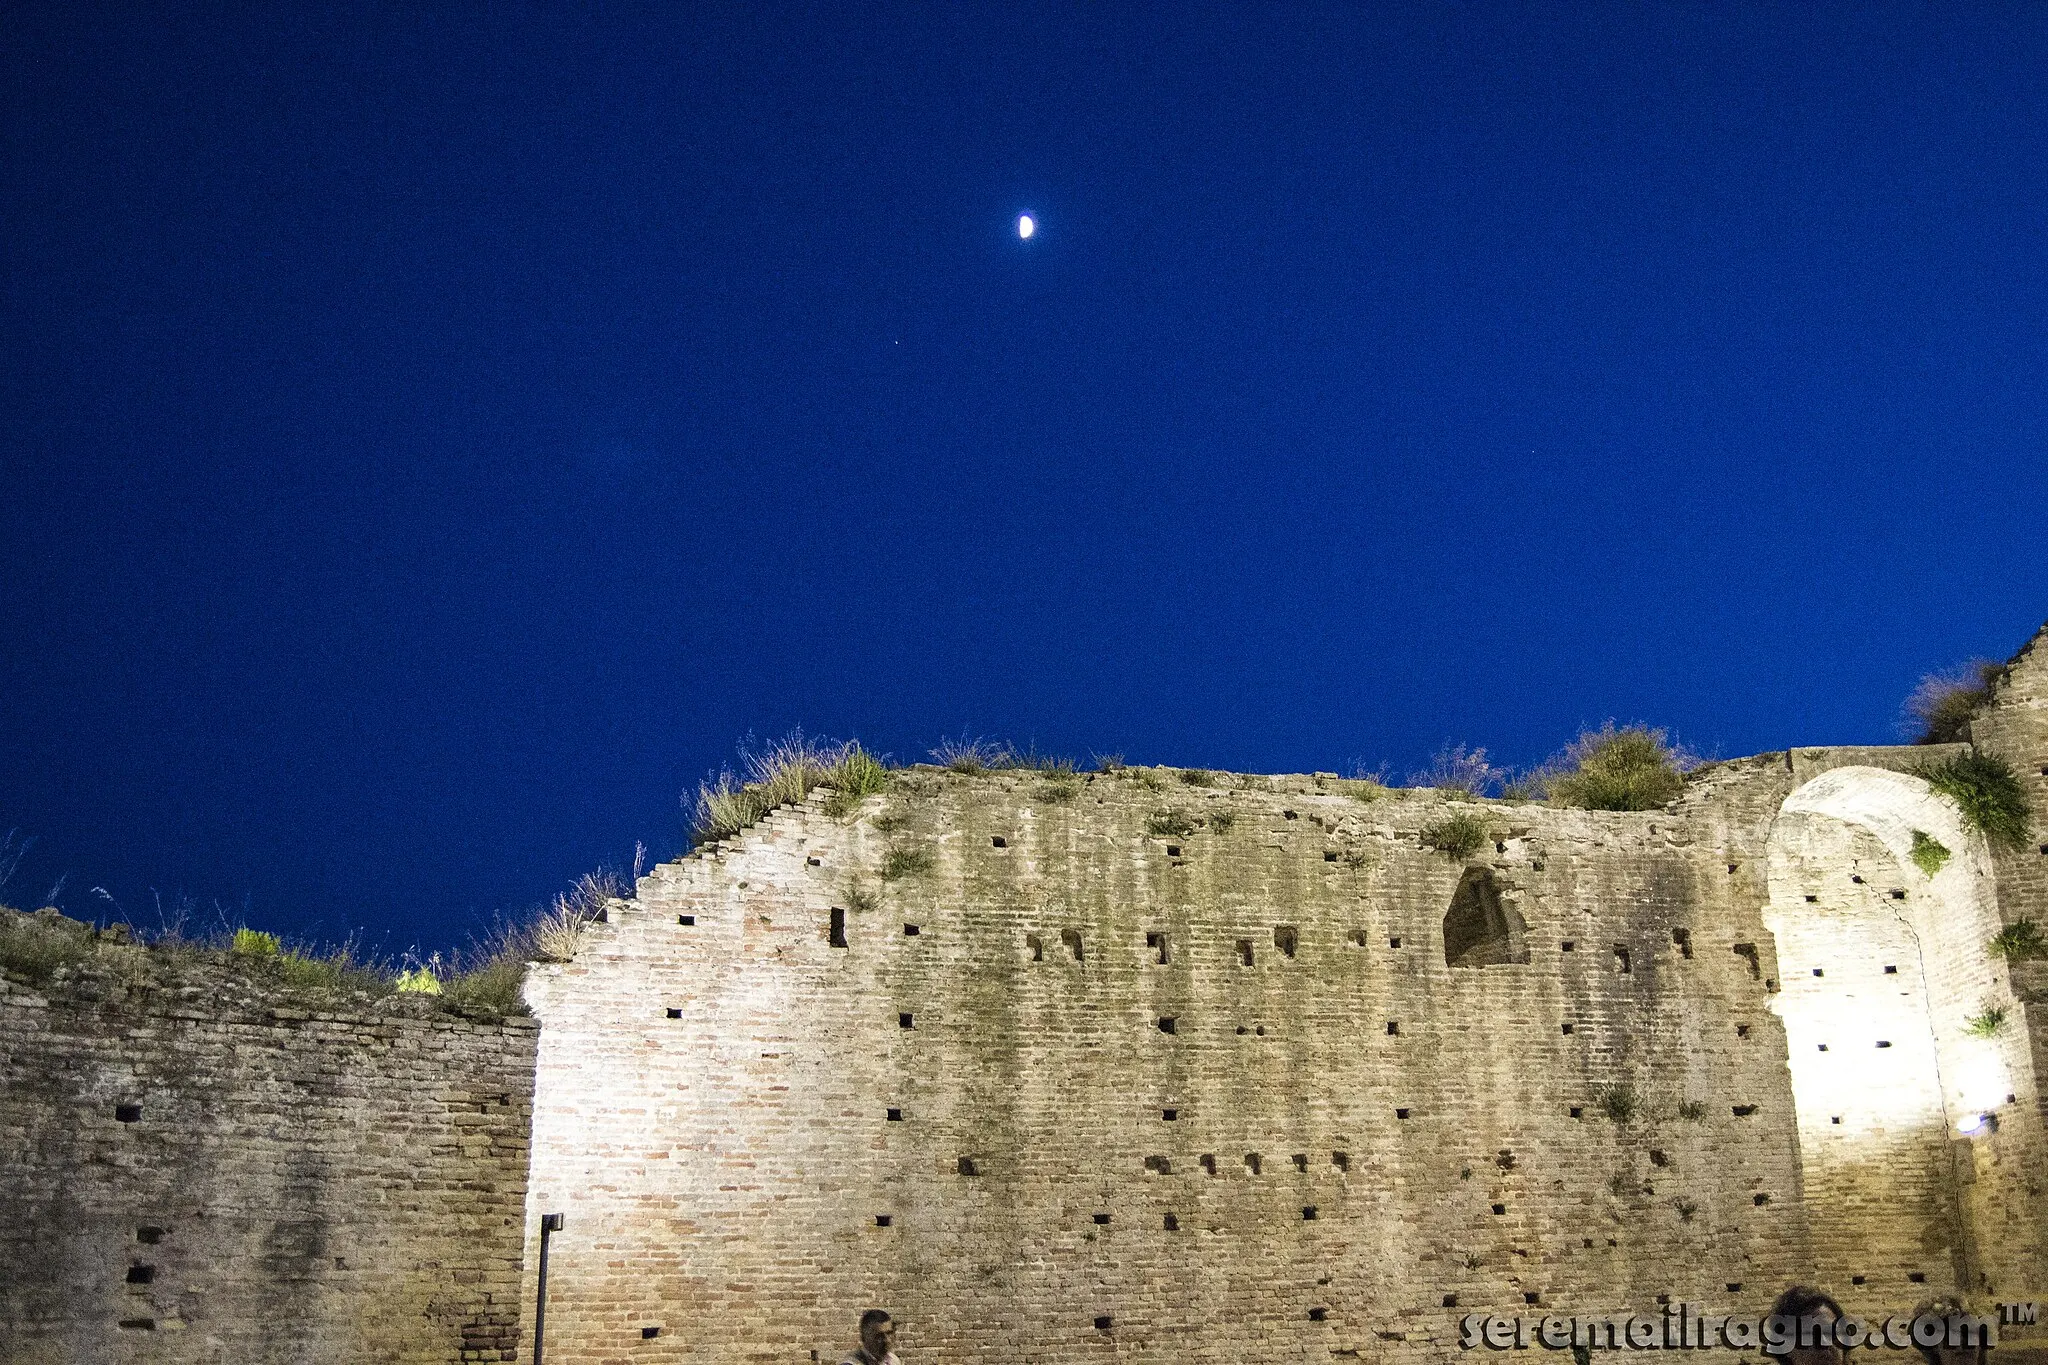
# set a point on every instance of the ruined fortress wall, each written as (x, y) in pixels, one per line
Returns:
(2015, 727)
(973, 1112)
(211, 1173)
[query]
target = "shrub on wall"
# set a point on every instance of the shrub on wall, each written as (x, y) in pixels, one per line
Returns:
(1987, 1024)
(1987, 793)
(1168, 824)
(253, 943)
(1626, 767)
(35, 946)
(1940, 708)
(2020, 941)
(1619, 1101)
(1457, 834)
(898, 863)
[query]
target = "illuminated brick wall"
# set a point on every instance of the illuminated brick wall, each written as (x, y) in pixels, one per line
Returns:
(1174, 1072)
(202, 1169)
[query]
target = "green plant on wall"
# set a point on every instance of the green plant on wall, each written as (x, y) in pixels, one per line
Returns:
(2020, 941)
(1618, 1101)
(898, 863)
(418, 981)
(1988, 1023)
(1168, 824)
(1630, 767)
(1929, 854)
(254, 943)
(34, 947)
(1457, 834)
(1987, 792)
(1059, 788)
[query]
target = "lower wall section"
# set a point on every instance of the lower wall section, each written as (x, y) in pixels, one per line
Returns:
(202, 1171)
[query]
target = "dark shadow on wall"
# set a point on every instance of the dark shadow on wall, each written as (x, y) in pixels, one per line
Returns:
(1478, 930)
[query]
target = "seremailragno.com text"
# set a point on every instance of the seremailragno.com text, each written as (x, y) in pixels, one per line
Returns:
(1683, 1326)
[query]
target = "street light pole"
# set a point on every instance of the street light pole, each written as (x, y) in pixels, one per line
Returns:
(550, 1223)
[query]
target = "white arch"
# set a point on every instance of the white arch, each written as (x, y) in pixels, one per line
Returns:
(1882, 967)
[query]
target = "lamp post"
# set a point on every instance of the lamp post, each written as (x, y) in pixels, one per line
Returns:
(550, 1223)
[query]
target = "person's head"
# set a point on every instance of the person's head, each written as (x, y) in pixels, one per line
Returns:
(1943, 1306)
(1803, 1303)
(877, 1333)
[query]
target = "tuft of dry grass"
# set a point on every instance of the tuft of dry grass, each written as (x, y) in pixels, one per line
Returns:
(782, 773)
(571, 918)
(1460, 769)
(973, 757)
(856, 776)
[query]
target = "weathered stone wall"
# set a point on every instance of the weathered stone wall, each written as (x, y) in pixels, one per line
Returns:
(2015, 728)
(199, 1169)
(1342, 1145)
(1182, 1071)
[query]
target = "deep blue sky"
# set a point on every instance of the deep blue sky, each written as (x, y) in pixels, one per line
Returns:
(433, 435)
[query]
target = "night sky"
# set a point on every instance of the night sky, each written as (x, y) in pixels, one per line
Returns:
(434, 435)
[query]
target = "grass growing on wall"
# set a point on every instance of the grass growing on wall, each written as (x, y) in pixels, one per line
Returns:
(33, 947)
(781, 773)
(1058, 788)
(1987, 792)
(899, 863)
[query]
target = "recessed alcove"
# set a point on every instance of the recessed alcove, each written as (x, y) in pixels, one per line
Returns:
(1479, 931)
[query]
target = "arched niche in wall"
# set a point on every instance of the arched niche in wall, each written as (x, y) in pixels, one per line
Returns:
(1882, 971)
(1480, 931)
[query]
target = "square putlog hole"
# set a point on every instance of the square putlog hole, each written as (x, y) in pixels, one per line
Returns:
(906, 1020)
(127, 1113)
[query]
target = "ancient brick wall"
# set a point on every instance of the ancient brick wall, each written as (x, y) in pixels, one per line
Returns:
(197, 1169)
(1091, 1086)
(2015, 727)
